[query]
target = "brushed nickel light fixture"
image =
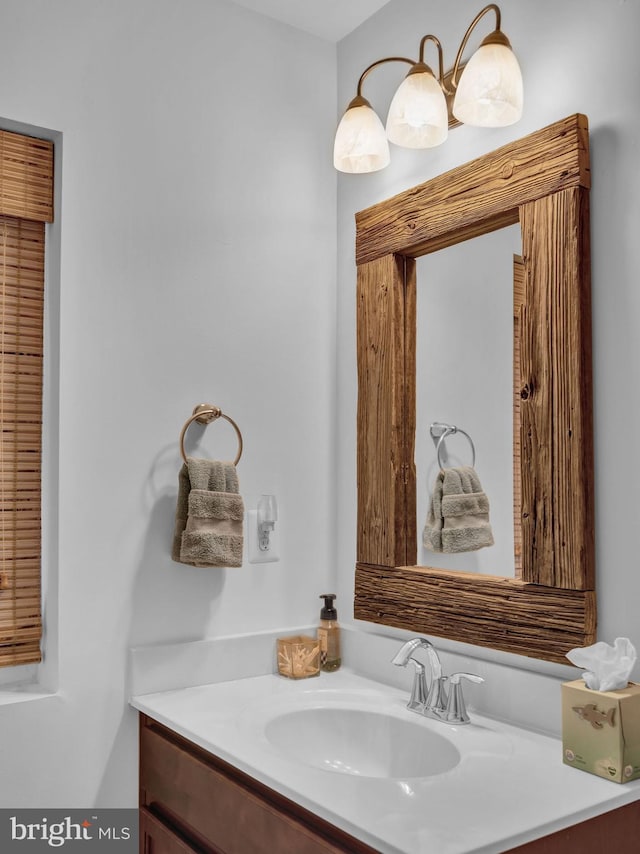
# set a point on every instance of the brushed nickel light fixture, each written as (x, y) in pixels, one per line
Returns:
(484, 92)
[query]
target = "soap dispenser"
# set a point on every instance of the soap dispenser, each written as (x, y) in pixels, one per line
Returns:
(329, 635)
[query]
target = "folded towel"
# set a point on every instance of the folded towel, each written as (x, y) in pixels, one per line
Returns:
(458, 516)
(209, 515)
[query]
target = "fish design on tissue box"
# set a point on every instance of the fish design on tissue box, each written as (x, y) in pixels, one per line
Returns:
(591, 714)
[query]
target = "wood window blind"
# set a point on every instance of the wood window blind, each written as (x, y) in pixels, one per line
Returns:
(26, 204)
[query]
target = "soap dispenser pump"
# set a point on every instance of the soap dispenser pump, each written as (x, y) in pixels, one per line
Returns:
(329, 635)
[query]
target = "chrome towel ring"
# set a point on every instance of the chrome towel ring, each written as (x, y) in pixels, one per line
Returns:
(439, 432)
(205, 413)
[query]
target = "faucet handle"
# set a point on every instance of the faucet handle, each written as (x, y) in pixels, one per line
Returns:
(456, 709)
(455, 679)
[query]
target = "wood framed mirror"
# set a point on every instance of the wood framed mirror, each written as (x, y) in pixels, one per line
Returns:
(542, 182)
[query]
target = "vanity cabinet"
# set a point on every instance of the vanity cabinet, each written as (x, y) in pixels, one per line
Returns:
(617, 831)
(191, 802)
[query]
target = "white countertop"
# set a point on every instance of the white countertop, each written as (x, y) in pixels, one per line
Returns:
(513, 790)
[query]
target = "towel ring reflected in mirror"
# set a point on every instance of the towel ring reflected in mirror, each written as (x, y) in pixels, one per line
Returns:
(205, 413)
(444, 430)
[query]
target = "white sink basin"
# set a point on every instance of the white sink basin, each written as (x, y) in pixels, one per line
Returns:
(364, 743)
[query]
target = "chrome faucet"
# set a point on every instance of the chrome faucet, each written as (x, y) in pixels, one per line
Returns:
(434, 703)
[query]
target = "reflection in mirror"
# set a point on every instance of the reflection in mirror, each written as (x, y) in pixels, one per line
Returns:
(464, 376)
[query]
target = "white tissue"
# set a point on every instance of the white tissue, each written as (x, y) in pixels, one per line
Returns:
(606, 667)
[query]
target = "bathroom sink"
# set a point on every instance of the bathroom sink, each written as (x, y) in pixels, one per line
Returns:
(346, 748)
(363, 743)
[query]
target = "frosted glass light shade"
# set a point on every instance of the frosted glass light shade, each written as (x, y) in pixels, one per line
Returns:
(418, 112)
(489, 93)
(361, 143)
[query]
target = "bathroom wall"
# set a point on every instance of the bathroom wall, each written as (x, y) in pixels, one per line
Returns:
(197, 263)
(576, 56)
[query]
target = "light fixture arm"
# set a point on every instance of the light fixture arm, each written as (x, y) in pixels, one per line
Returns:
(497, 34)
(437, 43)
(375, 65)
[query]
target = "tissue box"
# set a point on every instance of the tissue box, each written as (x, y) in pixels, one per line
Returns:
(601, 730)
(298, 657)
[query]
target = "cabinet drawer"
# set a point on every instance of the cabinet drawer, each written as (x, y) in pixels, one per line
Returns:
(156, 838)
(216, 805)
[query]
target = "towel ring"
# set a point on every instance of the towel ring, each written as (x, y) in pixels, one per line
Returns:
(205, 413)
(449, 430)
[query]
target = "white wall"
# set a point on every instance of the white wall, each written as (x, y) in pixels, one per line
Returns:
(197, 264)
(576, 56)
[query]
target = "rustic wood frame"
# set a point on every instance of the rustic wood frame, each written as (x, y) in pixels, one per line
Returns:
(543, 182)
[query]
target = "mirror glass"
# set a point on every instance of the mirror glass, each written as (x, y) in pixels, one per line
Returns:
(464, 377)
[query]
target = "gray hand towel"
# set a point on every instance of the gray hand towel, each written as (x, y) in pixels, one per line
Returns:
(209, 515)
(458, 516)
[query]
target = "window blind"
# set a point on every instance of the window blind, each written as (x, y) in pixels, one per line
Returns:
(26, 203)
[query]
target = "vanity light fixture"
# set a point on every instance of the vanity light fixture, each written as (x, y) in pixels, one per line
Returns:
(484, 92)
